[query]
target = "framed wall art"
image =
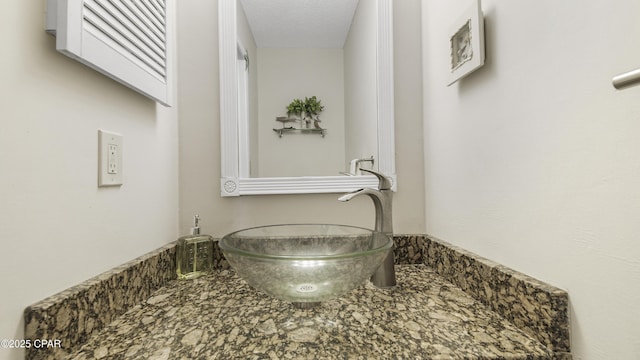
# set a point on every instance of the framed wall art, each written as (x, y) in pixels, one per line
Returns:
(466, 43)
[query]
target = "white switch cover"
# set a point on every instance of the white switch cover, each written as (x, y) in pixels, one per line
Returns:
(109, 158)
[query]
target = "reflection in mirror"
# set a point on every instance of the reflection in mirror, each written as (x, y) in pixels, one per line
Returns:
(267, 61)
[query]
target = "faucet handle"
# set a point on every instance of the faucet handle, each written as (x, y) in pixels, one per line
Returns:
(384, 182)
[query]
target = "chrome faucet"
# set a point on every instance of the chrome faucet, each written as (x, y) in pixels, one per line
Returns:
(354, 166)
(382, 197)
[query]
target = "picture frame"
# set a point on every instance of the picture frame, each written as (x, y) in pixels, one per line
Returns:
(466, 43)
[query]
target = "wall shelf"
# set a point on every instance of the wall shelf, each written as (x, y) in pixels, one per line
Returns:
(285, 130)
(303, 130)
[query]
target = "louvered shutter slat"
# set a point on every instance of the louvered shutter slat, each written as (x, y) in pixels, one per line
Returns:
(156, 14)
(157, 38)
(149, 23)
(124, 39)
(132, 38)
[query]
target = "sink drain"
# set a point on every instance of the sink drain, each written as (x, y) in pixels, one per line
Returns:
(306, 288)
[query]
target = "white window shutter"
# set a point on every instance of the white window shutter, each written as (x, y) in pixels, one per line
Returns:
(127, 40)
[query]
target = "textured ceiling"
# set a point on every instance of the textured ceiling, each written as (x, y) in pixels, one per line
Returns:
(300, 23)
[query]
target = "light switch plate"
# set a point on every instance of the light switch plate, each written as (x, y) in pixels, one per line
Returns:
(109, 158)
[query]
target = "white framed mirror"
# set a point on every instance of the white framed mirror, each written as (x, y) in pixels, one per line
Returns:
(237, 177)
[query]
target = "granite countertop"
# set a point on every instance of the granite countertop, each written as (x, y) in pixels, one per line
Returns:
(449, 304)
(220, 317)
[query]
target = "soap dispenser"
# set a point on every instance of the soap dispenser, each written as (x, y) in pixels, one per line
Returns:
(194, 254)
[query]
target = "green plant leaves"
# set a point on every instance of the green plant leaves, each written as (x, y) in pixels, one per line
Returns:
(310, 106)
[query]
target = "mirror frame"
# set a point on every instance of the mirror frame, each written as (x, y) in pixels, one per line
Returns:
(231, 184)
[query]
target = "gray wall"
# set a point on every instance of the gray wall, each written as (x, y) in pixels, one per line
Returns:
(57, 228)
(534, 161)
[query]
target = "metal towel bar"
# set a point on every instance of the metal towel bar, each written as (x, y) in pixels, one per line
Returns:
(626, 79)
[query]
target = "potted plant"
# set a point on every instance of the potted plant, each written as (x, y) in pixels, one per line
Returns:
(296, 108)
(306, 110)
(313, 106)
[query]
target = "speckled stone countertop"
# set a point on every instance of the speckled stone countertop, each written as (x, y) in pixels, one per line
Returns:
(220, 317)
(449, 304)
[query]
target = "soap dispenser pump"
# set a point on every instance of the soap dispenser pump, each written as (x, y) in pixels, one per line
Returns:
(194, 254)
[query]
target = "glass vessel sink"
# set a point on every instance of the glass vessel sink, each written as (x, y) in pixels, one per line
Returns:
(305, 264)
